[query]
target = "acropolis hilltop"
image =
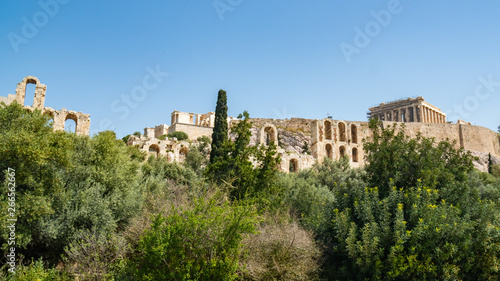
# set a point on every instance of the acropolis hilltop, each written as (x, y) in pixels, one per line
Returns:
(324, 137)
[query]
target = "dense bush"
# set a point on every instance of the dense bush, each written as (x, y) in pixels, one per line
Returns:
(397, 159)
(201, 243)
(65, 183)
(434, 227)
(36, 271)
(198, 154)
(179, 135)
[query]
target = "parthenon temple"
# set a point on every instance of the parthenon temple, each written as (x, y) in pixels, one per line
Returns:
(408, 110)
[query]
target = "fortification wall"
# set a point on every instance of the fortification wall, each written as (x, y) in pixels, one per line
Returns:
(293, 124)
(477, 138)
(470, 137)
(193, 131)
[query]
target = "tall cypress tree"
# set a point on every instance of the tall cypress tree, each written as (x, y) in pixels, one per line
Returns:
(219, 135)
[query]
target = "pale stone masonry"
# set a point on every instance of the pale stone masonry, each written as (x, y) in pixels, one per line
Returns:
(408, 110)
(59, 117)
(325, 138)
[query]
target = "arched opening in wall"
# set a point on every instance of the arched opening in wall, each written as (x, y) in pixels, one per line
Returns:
(342, 132)
(70, 123)
(29, 97)
(329, 151)
(354, 133)
(328, 130)
(154, 149)
(270, 135)
(294, 166)
(342, 151)
(355, 155)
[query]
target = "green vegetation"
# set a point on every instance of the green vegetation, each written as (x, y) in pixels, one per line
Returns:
(179, 135)
(95, 207)
(219, 135)
(305, 148)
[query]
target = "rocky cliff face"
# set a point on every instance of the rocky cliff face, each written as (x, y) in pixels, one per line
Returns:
(293, 141)
(483, 160)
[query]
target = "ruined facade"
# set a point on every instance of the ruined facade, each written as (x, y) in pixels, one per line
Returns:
(303, 142)
(337, 138)
(408, 110)
(59, 117)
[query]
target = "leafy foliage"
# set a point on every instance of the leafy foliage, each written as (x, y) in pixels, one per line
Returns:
(234, 166)
(220, 132)
(179, 135)
(36, 271)
(202, 243)
(65, 182)
(394, 156)
(197, 156)
(433, 227)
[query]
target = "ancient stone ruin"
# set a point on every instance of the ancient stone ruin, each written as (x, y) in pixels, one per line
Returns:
(301, 142)
(59, 117)
(408, 110)
(327, 137)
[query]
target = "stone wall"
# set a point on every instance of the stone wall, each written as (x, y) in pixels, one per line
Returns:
(470, 137)
(193, 131)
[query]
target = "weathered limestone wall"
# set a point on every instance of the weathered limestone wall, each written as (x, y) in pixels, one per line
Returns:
(439, 131)
(477, 138)
(193, 131)
(470, 137)
(293, 124)
(337, 138)
(294, 162)
(175, 151)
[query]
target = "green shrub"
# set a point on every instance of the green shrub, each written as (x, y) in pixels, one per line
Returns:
(160, 168)
(179, 135)
(311, 204)
(495, 170)
(36, 271)
(202, 243)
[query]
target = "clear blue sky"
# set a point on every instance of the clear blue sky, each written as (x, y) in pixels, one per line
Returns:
(276, 59)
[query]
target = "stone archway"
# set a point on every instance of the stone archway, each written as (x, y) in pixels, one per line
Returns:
(293, 166)
(154, 149)
(328, 130)
(354, 133)
(329, 150)
(268, 134)
(342, 132)
(73, 117)
(355, 155)
(342, 151)
(39, 99)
